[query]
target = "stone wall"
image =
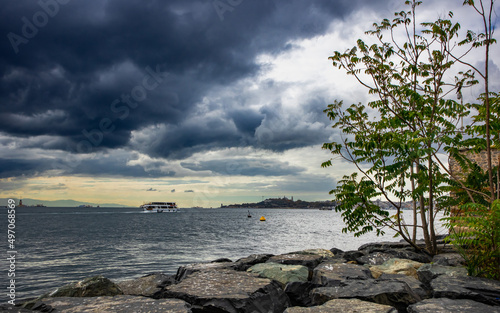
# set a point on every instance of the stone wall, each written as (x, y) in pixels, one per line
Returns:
(479, 158)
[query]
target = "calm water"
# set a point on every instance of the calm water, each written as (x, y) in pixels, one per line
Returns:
(60, 245)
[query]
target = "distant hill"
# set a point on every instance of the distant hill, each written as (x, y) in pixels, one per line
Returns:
(59, 203)
(283, 203)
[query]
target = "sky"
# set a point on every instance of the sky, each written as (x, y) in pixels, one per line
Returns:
(202, 102)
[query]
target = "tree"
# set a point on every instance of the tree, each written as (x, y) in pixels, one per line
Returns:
(485, 131)
(394, 141)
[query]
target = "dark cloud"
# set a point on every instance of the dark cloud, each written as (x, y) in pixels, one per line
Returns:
(24, 168)
(99, 165)
(95, 74)
(245, 167)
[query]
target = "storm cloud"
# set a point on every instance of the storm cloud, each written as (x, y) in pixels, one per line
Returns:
(88, 77)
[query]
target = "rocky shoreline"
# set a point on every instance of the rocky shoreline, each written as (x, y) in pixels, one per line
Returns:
(379, 277)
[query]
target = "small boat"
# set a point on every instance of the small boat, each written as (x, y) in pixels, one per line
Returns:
(249, 215)
(160, 207)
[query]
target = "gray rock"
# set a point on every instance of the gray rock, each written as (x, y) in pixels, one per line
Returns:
(322, 252)
(393, 293)
(482, 290)
(376, 258)
(121, 304)
(307, 260)
(400, 250)
(281, 273)
(384, 245)
(337, 252)
(146, 285)
(90, 287)
(221, 260)
(245, 263)
(415, 285)
(345, 306)
(353, 256)
(229, 291)
(397, 266)
(186, 270)
(448, 259)
(420, 257)
(427, 272)
(444, 305)
(332, 274)
(13, 309)
(299, 293)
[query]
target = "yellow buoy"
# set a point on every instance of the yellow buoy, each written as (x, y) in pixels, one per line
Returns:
(262, 218)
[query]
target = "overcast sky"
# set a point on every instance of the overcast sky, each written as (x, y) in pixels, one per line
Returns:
(201, 102)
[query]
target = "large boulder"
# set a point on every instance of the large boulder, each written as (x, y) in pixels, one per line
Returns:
(388, 292)
(478, 289)
(353, 256)
(90, 287)
(389, 245)
(307, 260)
(375, 258)
(281, 273)
(146, 285)
(122, 304)
(384, 245)
(445, 305)
(229, 291)
(337, 253)
(415, 285)
(448, 259)
(245, 263)
(299, 293)
(427, 272)
(186, 270)
(321, 252)
(13, 309)
(408, 254)
(345, 306)
(332, 274)
(397, 266)
(399, 250)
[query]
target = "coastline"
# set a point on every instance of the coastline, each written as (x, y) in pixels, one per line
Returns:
(387, 276)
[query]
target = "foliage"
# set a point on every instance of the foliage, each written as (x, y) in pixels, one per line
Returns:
(394, 140)
(477, 130)
(476, 235)
(476, 180)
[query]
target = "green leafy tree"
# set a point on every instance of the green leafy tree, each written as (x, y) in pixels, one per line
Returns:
(394, 140)
(485, 130)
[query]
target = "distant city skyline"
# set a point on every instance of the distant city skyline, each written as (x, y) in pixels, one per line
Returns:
(203, 104)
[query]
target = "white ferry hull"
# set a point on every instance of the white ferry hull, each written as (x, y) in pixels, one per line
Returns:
(160, 210)
(160, 207)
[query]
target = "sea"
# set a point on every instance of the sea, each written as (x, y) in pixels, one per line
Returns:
(57, 246)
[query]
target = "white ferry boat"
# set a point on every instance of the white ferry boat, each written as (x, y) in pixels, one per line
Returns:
(160, 207)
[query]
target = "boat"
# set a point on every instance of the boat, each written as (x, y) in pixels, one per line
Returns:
(160, 207)
(249, 215)
(327, 208)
